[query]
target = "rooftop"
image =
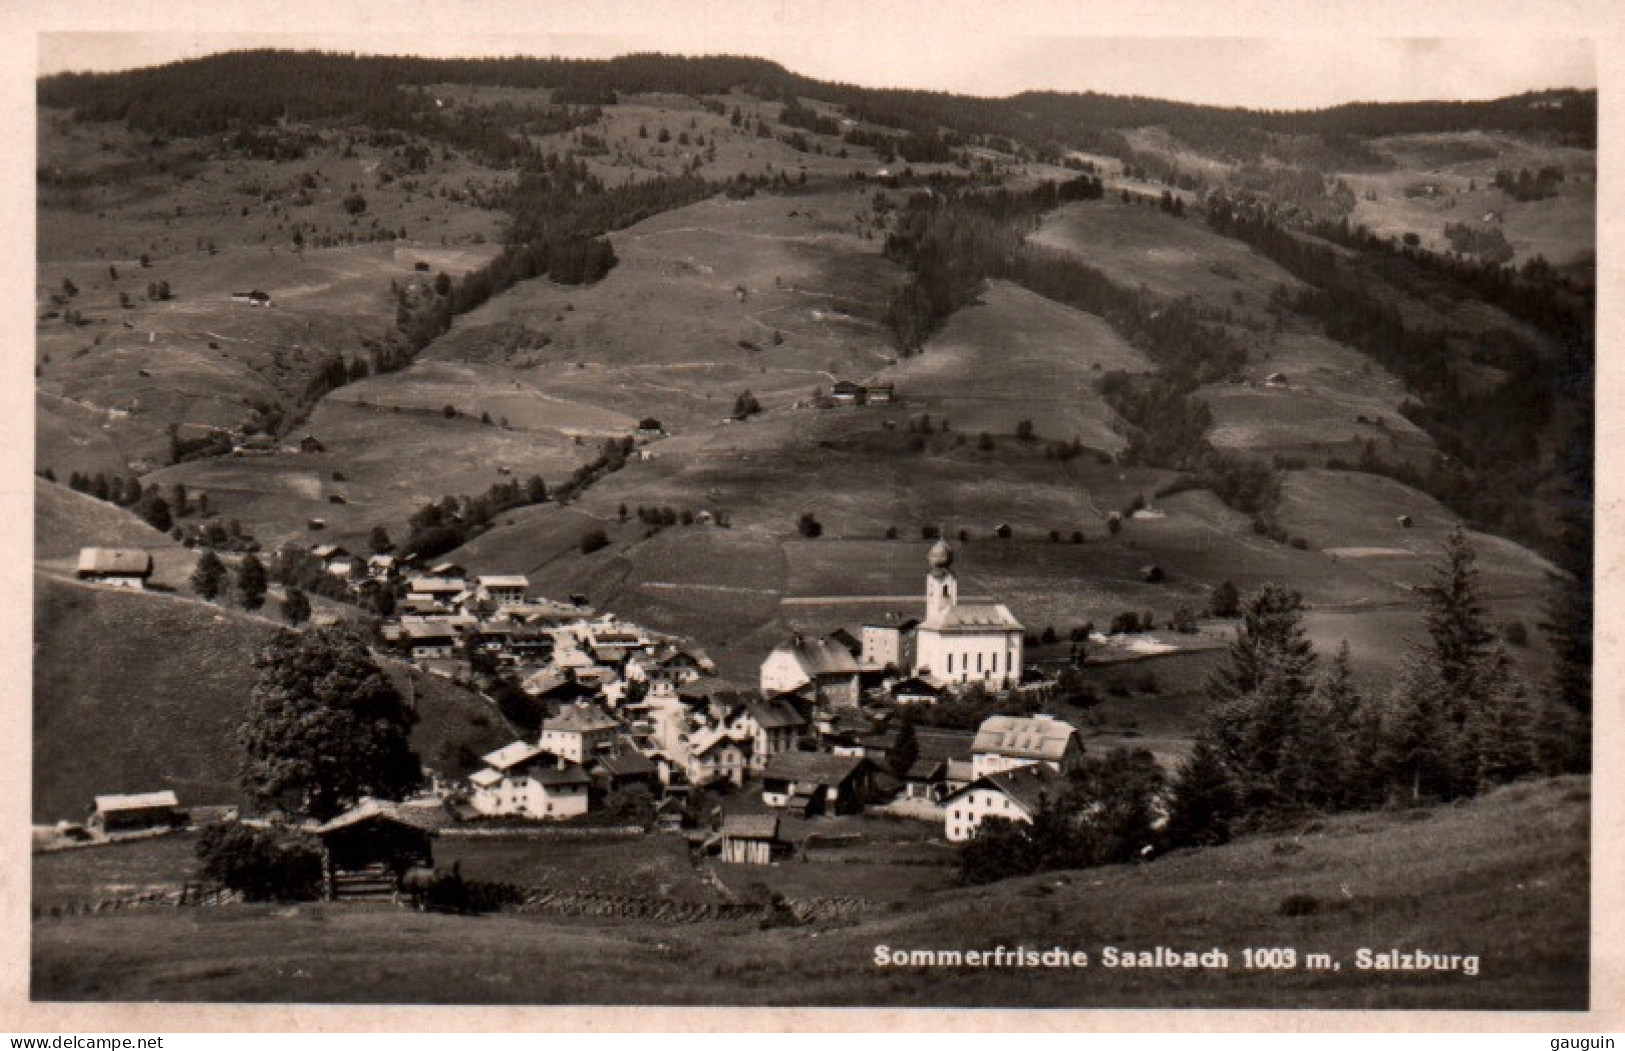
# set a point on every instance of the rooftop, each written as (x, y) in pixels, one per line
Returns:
(135, 801)
(128, 560)
(1028, 737)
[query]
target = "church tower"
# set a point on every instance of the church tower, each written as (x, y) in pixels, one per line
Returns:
(941, 586)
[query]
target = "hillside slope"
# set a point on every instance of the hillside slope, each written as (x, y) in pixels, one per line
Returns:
(137, 691)
(1505, 878)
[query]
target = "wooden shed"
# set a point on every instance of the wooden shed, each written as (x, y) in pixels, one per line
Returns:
(376, 833)
(137, 813)
(748, 839)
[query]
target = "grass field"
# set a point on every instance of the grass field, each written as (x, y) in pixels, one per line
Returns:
(1012, 356)
(1174, 257)
(1505, 878)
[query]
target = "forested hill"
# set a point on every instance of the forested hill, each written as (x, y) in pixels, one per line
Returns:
(225, 91)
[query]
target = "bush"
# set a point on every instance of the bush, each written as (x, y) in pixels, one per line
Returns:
(264, 864)
(594, 540)
(1299, 905)
(809, 527)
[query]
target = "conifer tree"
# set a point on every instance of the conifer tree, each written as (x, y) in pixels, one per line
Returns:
(1203, 802)
(209, 576)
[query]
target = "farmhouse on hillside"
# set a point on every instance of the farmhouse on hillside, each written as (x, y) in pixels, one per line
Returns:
(960, 643)
(256, 298)
(119, 566)
(1015, 795)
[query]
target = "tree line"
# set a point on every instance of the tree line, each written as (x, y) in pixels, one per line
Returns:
(1285, 737)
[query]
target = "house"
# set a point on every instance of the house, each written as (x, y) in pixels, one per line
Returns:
(915, 691)
(889, 644)
(137, 813)
(748, 839)
(119, 566)
(772, 726)
(808, 783)
(580, 732)
(963, 642)
(879, 393)
(1015, 795)
(624, 767)
(382, 567)
(716, 755)
(334, 558)
(376, 832)
(1007, 741)
(529, 781)
(1275, 379)
(429, 639)
(942, 763)
(256, 298)
(311, 444)
(845, 392)
(441, 591)
(255, 445)
(506, 591)
(822, 663)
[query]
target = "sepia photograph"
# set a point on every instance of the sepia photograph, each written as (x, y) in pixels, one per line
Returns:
(894, 507)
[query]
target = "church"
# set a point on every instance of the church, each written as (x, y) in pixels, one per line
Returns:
(963, 642)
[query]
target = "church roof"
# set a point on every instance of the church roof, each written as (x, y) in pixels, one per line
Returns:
(972, 617)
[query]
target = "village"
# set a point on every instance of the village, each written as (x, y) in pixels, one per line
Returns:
(635, 724)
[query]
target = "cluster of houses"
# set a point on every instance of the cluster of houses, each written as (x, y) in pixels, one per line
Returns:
(821, 736)
(628, 706)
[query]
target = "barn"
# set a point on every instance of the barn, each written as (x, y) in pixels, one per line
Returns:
(748, 839)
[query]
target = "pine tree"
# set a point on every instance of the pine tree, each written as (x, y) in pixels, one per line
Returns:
(1270, 644)
(295, 607)
(1458, 622)
(1203, 802)
(251, 582)
(1501, 729)
(209, 577)
(1256, 695)
(1418, 749)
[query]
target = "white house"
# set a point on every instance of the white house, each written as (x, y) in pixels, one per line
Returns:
(506, 591)
(890, 643)
(1015, 795)
(523, 779)
(963, 642)
(1004, 742)
(772, 727)
(716, 755)
(824, 664)
(579, 732)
